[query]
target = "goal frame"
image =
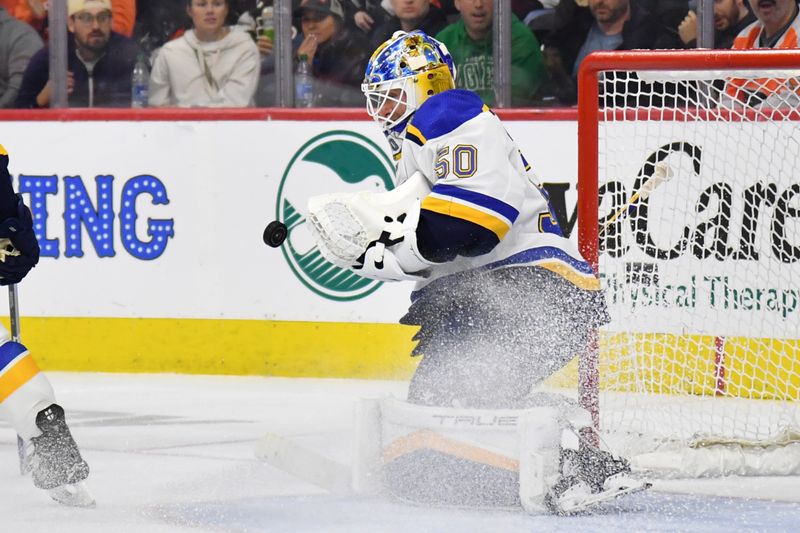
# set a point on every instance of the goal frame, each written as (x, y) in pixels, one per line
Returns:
(589, 117)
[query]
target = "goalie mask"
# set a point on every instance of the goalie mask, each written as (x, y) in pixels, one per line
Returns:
(402, 73)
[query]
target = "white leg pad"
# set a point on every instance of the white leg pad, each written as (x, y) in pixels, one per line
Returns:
(523, 442)
(540, 438)
(22, 406)
(20, 403)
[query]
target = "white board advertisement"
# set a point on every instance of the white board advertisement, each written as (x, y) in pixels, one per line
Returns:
(164, 219)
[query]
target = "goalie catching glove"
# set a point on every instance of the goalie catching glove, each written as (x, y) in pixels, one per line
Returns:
(373, 234)
(395, 256)
(19, 249)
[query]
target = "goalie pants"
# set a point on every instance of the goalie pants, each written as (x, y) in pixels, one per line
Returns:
(487, 337)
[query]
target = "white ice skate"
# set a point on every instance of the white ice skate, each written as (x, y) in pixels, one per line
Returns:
(578, 497)
(55, 462)
(591, 477)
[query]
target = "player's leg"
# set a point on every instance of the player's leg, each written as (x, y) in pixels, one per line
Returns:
(486, 341)
(486, 338)
(490, 457)
(27, 403)
(454, 344)
(466, 457)
(548, 339)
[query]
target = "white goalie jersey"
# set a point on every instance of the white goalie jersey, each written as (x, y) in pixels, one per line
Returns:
(466, 198)
(486, 208)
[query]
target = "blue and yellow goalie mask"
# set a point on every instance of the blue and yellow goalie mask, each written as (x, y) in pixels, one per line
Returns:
(402, 73)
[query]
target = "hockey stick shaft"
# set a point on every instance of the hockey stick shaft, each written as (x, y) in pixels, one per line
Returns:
(304, 463)
(627, 206)
(661, 174)
(13, 313)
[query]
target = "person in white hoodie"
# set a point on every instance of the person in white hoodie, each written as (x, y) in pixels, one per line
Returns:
(211, 65)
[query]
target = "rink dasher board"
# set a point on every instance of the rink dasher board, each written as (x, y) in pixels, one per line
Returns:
(152, 252)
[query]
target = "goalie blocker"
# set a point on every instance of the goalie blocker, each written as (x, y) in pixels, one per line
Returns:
(530, 458)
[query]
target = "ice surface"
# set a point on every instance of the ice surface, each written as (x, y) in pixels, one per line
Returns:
(175, 454)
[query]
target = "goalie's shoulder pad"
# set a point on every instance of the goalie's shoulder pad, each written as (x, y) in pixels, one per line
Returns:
(443, 113)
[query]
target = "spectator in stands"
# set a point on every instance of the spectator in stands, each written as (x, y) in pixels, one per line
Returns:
(18, 43)
(605, 25)
(337, 53)
(778, 26)
(730, 18)
(99, 62)
(159, 21)
(410, 15)
(469, 41)
(369, 14)
(34, 12)
(211, 65)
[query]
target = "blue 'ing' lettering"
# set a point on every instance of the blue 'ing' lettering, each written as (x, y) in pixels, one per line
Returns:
(39, 187)
(158, 229)
(79, 211)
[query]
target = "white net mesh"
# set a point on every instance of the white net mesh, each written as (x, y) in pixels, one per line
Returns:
(703, 275)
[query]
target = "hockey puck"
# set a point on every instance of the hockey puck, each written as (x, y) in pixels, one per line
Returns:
(275, 233)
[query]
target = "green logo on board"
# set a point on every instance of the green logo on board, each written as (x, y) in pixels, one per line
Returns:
(335, 161)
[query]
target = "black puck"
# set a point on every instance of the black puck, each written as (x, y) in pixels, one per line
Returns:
(275, 233)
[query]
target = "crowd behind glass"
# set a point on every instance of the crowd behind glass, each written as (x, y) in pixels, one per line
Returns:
(219, 53)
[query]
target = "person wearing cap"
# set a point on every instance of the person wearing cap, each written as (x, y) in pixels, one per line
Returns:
(211, 65)
(336, 52)
(99, 62)
(34, 12)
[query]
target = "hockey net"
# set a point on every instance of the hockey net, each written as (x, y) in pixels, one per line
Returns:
(688, 161)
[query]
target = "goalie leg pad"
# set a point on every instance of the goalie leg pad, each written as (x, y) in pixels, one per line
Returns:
(439, 478)
(496, 458)
(24, 390)
(467, 457)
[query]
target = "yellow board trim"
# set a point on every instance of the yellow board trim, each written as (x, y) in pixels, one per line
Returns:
(231, 347)
(3, 150)
(453, 209)
(17, 376)
(684, 365)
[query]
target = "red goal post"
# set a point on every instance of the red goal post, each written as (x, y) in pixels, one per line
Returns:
(688, 210)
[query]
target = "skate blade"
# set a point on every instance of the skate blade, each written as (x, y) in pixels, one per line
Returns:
(568, 507)
(75, 495)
